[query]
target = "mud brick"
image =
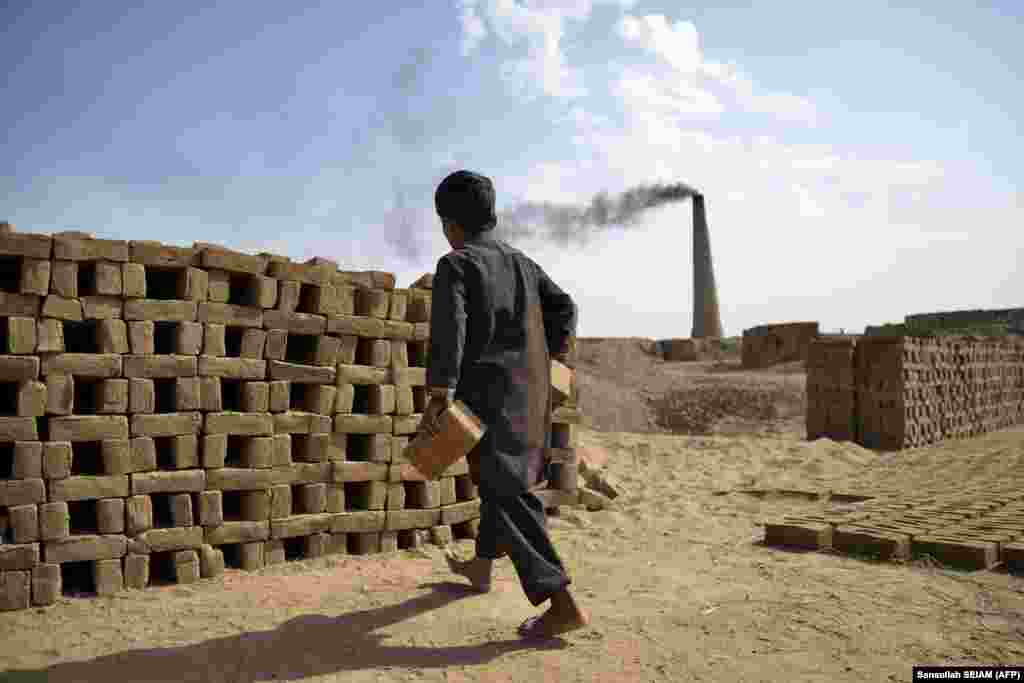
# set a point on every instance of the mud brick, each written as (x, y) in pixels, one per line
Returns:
(94, 365)
(18, 429)
(35, 276)
(364, 521)
(15, 591)
(46, 584)
(88, 428)
(153, 253)
(410, 377)
(169, 424)
(961, 553)
(19, 368)
(75, 248)
(187, 394)
(364, 543)
(133, 279)
(64, 279)
(337, 544)
(282, 456)
(446, 491)
(406, 424)
(328, 351)
(218, 286)
(396, 496)
(218, 258)
(412, 519)
(335, 498)
(418, 307)
(370, 328)
(399, 354)
(280, 501)
(210, 397)
(347, 349)
(108, 279)
(307, 273)
(398, 446)
(186, 566)
(295, 323)
(251, 556)
(258, 452)
(85, 549)
(344, 400)
(885, 545)
(188, 338)
(320, 399)
(238, 532)
(25, 244)
(460, 512)
(111, 396)
(358, 471)
(50, 336)
(399, 305)
(296, 422)
(302, 374)
(160, 310)
(117, 456)
(388, 542)
(279, 396)
(102, 307)
(89, 488)
(382, 399)
(363, 424)
(31, 399)
(59, 308)
(136, 570)
(24, 521)
(211, 508)
(22, 337)
(141, 337)
(375, 352)
(242, 424)
(327, 299)
(300, 525)
(141, 395)
(310, 447)
(195, 285)
(214, 340)
(164, 540)
(256, 397)
(372, 303)
(288, 295)
(230, 314)
(239, 479)
(112, 336)
(56, 460)
(159, 367)
(211, 562)
(138, 514)
(185, 451)
(232, 368)
(18, 557)
(110, 515)
(421, 332)
(27, 461)
(312, 498)
(253, 344)
(19, 305)
(423, 494)
(277, 345)
(180, 481)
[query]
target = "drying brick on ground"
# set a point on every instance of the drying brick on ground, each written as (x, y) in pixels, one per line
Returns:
(167, 411)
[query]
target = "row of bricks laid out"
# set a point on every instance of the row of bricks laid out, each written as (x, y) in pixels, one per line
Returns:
(111, 269)
(26, 581)
(52, 339)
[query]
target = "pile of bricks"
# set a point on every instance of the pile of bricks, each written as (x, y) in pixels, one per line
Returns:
(967, 527)
(767, 345)
(169, 411)
(914, 391)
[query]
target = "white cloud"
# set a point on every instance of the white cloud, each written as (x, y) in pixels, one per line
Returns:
(473, 29)
(647, 91)
(676, 43)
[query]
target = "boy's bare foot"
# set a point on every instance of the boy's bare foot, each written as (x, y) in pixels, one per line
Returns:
(563, 616)
(477, 570)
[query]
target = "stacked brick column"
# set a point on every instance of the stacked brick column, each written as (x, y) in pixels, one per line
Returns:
(915, 391)
(169, 411)
(830, 390)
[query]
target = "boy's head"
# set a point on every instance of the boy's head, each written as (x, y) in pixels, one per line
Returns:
(465, 204)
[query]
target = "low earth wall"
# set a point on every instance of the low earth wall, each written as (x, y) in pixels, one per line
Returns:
(901, 392)
(168, 411)
(768, 345)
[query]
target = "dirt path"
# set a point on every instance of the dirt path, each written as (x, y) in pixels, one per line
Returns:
(678, 584)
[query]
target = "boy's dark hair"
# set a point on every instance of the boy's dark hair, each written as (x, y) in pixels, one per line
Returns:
(467, 198)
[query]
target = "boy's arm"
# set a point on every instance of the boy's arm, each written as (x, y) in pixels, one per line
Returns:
(559, 315)
(447, 329)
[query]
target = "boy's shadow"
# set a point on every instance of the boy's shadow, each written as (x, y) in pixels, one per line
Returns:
(313, 645)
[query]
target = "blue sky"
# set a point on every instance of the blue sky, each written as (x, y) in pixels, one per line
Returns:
(860, 161)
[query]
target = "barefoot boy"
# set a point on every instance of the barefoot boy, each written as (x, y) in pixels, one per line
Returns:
(496, 319)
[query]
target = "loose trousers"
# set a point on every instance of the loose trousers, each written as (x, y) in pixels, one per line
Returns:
(515, 525)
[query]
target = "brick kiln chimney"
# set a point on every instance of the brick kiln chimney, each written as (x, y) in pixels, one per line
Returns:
(706, 320)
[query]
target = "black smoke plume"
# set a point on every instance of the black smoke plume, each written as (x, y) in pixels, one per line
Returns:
(566, 224)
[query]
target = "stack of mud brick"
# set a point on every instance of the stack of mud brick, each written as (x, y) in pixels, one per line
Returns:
(169, 411)
(831, 402)
(916, 391)
(768, 345)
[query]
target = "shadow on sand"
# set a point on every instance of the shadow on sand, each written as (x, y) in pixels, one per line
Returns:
(312, 645)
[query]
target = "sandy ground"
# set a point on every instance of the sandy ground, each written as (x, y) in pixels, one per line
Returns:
(678, 583)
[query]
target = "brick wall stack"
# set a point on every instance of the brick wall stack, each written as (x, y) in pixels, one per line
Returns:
(916, 391)
(831, 409)
(169, 411)
(767, 345)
